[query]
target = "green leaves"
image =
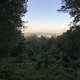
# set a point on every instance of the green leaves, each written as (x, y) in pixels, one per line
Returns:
(73, 8)
(11, 12)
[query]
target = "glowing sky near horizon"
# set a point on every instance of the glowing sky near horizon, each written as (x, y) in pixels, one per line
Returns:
(42, 16)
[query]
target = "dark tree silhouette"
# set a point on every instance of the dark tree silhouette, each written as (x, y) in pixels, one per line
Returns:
(11, 12)
(73, 8)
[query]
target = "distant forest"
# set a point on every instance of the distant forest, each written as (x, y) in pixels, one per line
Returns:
(38, 58)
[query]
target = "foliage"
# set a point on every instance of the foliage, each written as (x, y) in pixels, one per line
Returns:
(73, 8)
(33, 57)
(11, 12)
(44, 58)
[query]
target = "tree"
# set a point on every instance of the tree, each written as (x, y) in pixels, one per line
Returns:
(11, 12)
(71, 37)
(73, 8)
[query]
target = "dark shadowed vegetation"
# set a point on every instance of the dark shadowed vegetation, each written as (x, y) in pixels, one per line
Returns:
(38, 58)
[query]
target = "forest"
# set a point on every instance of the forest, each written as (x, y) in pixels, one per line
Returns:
(38, 58)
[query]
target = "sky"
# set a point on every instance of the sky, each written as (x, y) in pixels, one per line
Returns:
(42, 16)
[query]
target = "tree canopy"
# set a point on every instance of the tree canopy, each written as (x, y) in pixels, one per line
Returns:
(33, 57)
(73, 8)
(11, 12)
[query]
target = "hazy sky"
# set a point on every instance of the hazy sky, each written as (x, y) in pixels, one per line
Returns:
(42, 16)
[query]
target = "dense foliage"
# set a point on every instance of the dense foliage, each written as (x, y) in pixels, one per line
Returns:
(44, 58)
(73, 8)
(11, 12)
(33, 57)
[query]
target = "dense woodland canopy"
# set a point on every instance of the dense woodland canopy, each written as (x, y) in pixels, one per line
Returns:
(38, 58)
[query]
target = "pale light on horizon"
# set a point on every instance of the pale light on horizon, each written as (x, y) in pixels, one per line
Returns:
(43, 17)
(48, 29)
